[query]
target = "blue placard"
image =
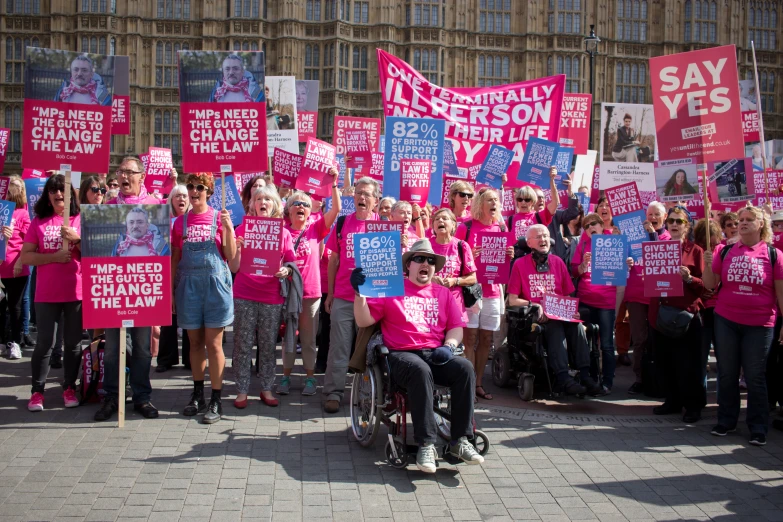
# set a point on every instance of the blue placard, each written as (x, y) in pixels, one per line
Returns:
(584, 200)
(419, 138)
(563, 160)
(631, 226)
(34, 188)
(449, 160)
(348, 205)
(494, 166)
(607, 262)
(341, 168)
(380, 257)
(539, 157)
(6, 213)
(233, 201)
(382, 143)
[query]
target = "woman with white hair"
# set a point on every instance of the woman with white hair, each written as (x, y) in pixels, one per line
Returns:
(526, 202)
(258, 305)
(385, 208)
(408, 214)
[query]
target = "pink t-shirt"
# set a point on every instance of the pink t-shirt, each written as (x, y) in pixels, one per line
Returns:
(597, 296)
(531, 285)
(149, 200)
(199, 229)
(521, 222)
(20, 221)
(488, 291)
(634, 288)
(308, 254)
(263, 289)
(418, 320)
(412, 238)
(55, 282)
(747, 294)
(345, 248)
(453, 266)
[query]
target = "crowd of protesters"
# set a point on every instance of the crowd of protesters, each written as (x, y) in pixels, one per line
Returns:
(735, 315)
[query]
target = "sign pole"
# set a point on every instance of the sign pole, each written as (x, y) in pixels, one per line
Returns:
(66, 170)
(223, 170)
(707, 209)
(121, 387)
(761, 124)
(269, 168)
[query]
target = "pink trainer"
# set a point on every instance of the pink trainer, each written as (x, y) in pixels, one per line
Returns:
(36, 402)
(70, 399)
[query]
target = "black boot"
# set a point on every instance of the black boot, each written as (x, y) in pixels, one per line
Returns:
(107, 409)
(215, 409)
(197, 403)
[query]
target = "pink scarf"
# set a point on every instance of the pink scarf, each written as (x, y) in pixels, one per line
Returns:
(73, 88)
(144, 241)
(240, 87)
(133, 200)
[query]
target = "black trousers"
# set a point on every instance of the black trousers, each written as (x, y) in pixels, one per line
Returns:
(168, 350)
(11, 307)
(324, 329)
(414, 372)
(775, 368)
(681, 361)
(48, 315)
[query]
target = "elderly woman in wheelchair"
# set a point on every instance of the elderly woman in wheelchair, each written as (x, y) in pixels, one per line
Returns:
(420, 331)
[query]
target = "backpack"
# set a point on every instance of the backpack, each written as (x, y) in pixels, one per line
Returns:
(771, 251)
(511, 221)
(472, 293)
(93, 370)
(469, 223)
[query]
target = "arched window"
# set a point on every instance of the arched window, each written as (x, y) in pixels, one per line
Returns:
(630, 82)
(167, 131)
(762, 24)
(568, 15)
(700, 23)
(632, 20)
(359, 76)
(493, 70)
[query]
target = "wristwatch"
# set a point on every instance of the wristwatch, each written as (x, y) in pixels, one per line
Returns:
(689, 280)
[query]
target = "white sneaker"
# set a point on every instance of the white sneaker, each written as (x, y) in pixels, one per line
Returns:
(425, 458)
(464, 450)
(13, 351)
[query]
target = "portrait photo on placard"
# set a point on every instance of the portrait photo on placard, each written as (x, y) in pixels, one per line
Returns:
(125, 230)
(676, 182)
(307, 95)
(67, 76)
(221, 76)
(628, 133)
(747, 95)
(281, 98)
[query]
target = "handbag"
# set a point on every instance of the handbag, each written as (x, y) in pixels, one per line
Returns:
(470, 294)
(672, 321)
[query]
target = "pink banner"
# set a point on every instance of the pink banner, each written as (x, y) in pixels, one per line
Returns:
(595, 192)
(126, 291)
(32, 174)
(57, 133)
(509, 202)
(261, 251)
(4, 181)
(661, 261)
(775, 178)
(314, 175)
(731, 183)
(507, 115)
(242, 178)
(145, 160)
(415, 180)
(120, 114)
(158, 177)
(357, 146)
(342, 124)
(492, 262)
(624, 199)
(750, 126)
(307, 123)
(559, 308)
(4, 136)
(230, 134)
(386, 226)
(286, 167)
(376, 168)
(697, 105)
(575, 122)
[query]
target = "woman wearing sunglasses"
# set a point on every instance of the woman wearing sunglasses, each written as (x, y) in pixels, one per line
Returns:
(460, 196)
(729, 225)
(307, 236)
(259, 304)
(14, 274)
(92, 191)
(201, 245)
(460, 268)
(59, 288)
(526, 203)
(680, 354)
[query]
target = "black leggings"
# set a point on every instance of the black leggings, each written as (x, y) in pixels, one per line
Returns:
(48, 314)
(12, 305)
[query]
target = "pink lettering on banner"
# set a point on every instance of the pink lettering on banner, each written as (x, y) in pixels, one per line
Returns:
(286, 167)
(158, 171)
(560, 308)
(750, 126)
(319, 158)
(422, 312)
(62, 132)
(575, 122)
(541, 284)
(345, 123)
(415, 179)
(306, 123)
(120, 115)
(507, 115)
(624, 199)
(4, 134)
(357, 146)
(662, 268)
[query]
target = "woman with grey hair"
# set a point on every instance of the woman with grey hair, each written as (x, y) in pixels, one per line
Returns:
(385, 208)
(408, 214)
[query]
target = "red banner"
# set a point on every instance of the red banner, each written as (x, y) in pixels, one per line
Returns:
(286, 167)
(345, 123)
(261, 251)
(57, 133)
(158, 171)
(318, 160)
(507, 115)
(624, 198)
(307, 123)
(120, 114)
(4, 135)
(575, 122)
(415, 180)
(231, 133)
(750, 126)
(661, 260)
(697, 105)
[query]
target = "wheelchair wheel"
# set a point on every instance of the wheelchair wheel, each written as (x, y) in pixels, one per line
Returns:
(501, 366)
(481, 442)
(443, 421)
(526, 386)
(401, 460)
(366, 401)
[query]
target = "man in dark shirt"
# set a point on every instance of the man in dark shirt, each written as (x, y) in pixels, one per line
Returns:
(625, 147)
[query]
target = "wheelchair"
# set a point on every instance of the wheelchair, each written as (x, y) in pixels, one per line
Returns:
(523, 357)
(376, 399)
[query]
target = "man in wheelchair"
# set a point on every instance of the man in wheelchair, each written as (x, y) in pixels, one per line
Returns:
(531, 277)
(420, 330)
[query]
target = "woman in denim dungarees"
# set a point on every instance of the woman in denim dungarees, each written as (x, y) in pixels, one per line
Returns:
(202, 289)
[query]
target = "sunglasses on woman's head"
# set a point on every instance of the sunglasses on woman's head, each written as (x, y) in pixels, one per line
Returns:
(423, 259)
(672, 221)
(95, 190)
(465, 194)
(300, 204)
(526, 200)
(199, 187)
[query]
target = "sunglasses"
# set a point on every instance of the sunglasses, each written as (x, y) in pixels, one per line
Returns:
(127, 172)
(300, 204)
(95, 190)
(114, 185)
(422, 259)
(594, 223)
(465, 195)
(526, 200)
(55, 190)
(199, 187)
(672, 221)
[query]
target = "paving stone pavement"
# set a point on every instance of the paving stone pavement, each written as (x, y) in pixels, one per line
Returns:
(297, 463)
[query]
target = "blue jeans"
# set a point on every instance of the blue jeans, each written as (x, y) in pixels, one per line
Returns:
(138, 361)
(741, 346)
(604, 318)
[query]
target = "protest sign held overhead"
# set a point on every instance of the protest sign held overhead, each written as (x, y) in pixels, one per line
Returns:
(676, 180)
(126, 265)
(34, 188)
(731, 182)
(624, 199)
(281, 118)
(415, 180)
(222, 109)
(357, 146)
(507, 115)
(494, 166)
(607, 263)
(449, 159)
(750, 114)
(67, 110)
(631, 226)
(415, 138)
(697, 104)
(342, 124)
(4, 182)
(540, 156)
(628, 145)
(561, 308)
(261, 250)
(157, 177)
(286, 167)
(6, 214)
(380, 257)
(662, 268)
(314, 175)
(307, 108)
(563, 161)
(575, 122)
(492, 262)
(376, 168)
(233, 201)
(120, 102)
(348, 205)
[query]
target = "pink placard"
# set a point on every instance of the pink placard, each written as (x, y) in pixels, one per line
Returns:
(750, 126)
(286, 167)
(492, 262)
(158, 171)
(342, 124)
(560, 308)
(386, 226)
(307, 123)
(4, 135)
(357, 146)
(447, 182)
(120, 114)
(261, 251)
(243, 178)
(661, 261)
(314, 175)
(624, 198)
(4, 181)
(575, 122)
(32, 174)
(415, 180)
(376, 168)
